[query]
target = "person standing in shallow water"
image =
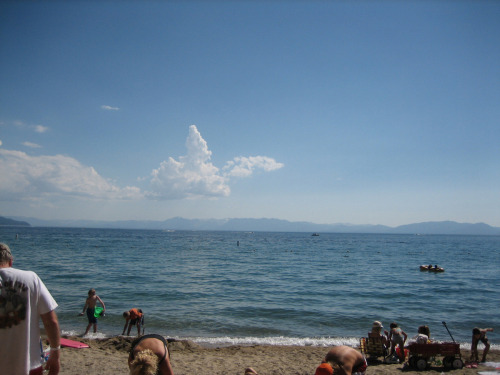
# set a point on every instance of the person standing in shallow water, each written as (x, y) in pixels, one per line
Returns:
(133, 317)
(89, 308)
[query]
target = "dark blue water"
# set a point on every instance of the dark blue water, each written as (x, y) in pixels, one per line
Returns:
(283, 288)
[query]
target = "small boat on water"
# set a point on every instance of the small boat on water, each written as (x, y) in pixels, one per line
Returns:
(315, 234)
(431, 268)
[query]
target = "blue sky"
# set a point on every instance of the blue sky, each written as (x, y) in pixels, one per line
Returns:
(359, 112)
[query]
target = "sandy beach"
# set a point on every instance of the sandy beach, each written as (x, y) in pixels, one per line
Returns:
(109, 357)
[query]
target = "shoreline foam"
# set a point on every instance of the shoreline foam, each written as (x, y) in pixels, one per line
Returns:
(225, 341)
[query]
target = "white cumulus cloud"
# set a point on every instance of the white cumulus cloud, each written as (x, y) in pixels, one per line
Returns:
(193, 175)
(27, 177)
(244, 166)
(32, 177)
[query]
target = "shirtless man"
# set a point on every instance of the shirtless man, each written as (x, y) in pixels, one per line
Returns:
(343, 360)
(90, 304)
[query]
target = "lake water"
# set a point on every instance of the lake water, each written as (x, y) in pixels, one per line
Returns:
(220, 288)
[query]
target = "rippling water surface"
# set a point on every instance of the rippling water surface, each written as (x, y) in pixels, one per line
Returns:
(235, 287)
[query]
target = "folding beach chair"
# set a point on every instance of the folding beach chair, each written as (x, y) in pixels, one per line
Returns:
(373, 348)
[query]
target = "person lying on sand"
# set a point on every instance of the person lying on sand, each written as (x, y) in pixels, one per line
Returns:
(149, 356)
(343, 360)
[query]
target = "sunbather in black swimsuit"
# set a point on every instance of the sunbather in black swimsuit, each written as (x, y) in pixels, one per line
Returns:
(150, 336)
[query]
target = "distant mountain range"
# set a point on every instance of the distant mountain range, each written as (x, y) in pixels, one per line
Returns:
(262, 225)
(6, 222)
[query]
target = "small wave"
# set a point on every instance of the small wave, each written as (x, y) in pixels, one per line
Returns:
(275, 340)
(224, 341)
(91, 336)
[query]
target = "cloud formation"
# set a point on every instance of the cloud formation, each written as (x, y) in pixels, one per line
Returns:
(31, 145)
(109, 108)
(37, 128)
(243, 166)
(40, 128)
(193, 175)
(32, 177)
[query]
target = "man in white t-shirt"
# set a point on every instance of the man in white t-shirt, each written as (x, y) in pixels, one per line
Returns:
(24, 299)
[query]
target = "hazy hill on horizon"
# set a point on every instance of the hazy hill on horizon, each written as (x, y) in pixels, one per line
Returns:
(262, 225)
(6, 222)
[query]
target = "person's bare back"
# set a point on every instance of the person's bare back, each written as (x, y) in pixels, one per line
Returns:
(346, 360)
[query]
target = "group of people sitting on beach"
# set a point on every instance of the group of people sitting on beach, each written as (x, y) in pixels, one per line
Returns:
(395, 339)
